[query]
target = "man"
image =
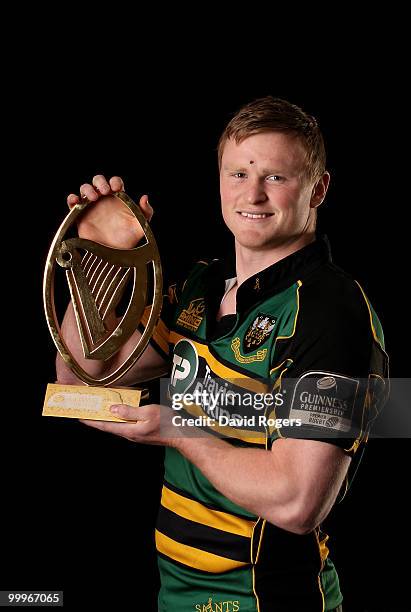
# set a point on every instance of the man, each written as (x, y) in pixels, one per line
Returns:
(239, 523)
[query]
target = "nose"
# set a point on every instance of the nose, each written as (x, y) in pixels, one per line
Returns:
(255, 192)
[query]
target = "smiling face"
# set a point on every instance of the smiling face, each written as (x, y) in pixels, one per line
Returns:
(267, 200)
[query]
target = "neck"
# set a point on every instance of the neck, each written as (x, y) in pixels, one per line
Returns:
(249, 261)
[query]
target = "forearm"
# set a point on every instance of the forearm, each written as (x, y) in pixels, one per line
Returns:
(71, 337)
(293, 486)
(149, 365)
(252, 478)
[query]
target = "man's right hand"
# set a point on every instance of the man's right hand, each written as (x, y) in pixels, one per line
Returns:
(107, 220)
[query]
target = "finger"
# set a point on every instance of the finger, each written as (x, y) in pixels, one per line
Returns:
(100, 183)
(119, 429)
(116, 183)
(72, 200)
(148, 412)
(87, 191)
(146, 207)
(125, 412)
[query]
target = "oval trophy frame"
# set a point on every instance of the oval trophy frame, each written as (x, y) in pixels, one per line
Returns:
(96, 282)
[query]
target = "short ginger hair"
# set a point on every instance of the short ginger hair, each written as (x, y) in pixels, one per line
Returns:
(271, 114)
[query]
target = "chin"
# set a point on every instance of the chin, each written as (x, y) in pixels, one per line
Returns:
(255, 243)
(253, 236)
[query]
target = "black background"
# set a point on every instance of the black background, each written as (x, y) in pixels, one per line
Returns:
(78, 506)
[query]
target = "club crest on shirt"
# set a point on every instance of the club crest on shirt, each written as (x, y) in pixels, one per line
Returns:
(258, 332)
(191, 317)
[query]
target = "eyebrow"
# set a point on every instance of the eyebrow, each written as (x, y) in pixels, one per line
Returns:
(245, 169)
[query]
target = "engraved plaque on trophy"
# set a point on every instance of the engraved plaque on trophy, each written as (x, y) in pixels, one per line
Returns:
(112, 290)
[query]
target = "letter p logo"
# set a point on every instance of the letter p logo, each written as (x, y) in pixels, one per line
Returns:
(185, 366)
(181, 369)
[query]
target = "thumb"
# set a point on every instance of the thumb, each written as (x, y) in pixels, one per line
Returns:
(125, 412)
(146, 207)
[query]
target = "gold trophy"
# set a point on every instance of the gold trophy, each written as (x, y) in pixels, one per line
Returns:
(99, 277)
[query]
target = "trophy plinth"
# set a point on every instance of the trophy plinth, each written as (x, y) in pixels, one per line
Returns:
(102, 281)
(86, 402)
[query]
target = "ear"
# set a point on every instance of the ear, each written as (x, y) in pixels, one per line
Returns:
(319, 190)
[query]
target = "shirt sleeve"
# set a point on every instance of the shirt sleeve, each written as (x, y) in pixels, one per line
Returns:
(172, 291)
(336, 380)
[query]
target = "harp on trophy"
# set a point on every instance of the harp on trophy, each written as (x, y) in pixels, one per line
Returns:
(100, 279)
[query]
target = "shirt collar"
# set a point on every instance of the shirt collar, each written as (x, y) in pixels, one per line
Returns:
(274, 278)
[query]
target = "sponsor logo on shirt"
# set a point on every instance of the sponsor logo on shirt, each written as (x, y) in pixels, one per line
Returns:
(327, 382)
(191, 317)
(185, 366)
(325, 401)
